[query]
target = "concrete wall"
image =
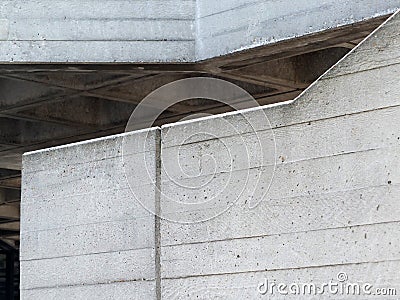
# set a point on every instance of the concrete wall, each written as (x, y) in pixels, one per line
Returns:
(164, 31)
(333, 204)
(84, 234)
(333, 162)
(228, 26)
(97, 31)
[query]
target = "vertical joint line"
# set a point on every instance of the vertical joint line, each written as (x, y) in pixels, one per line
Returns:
(157, 232)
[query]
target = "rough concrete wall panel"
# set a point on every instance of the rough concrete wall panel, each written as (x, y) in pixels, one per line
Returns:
(101, 9)
(292, 214)
(120, 290)
(84, 209)
(335, 174)
(104, 30)
(98, 149)
(97, 51)
(89, 238)
(96, 177)
(295, 142)
(96, 268)
(337, 154)
(244, 285)
(82, 227)
(288, 251)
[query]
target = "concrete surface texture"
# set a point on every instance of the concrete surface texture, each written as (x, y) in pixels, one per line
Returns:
(333, 203)
(78, 198)
(332, 207)
(52, 104)
(164, 31)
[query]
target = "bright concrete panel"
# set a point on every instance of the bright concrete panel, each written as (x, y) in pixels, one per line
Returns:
(83, 229)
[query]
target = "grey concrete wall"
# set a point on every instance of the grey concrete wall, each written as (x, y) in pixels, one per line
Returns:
(333, 205)
(84, 234)
(228, 26)
(97, 31)
(164, 31)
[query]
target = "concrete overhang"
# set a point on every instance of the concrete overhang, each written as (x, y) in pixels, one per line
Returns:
(165, 31)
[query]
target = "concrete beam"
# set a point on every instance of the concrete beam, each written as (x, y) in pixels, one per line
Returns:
(291, 72)
(7, 173)
(9, 195)
(19, 93)
(13, 225)
(153, 31)
(9, 212)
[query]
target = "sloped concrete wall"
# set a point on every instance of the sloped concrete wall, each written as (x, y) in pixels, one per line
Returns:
(84, 234)
(333, 205)
(329, 186)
